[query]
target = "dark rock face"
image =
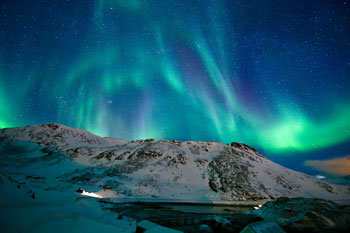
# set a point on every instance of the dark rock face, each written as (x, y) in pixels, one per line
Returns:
(130, 166)
(243, 146)
(327, 187)
(222, 175)
(147, 154)
(179, 159)
(306, 215)
(282, 181)
(35, 177)
(229, 175)
(108, 154)
(53, 126)
(148, 185)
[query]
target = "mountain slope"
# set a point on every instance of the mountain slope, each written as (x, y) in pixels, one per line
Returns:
(166, 169)
(57, 136)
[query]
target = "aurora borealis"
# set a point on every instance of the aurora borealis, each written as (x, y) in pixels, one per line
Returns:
(271, 74)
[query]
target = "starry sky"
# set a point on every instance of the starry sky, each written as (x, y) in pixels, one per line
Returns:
(271, 74)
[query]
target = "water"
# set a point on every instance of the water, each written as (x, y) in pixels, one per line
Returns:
(188, 217)
(142, 211)
(207, 209)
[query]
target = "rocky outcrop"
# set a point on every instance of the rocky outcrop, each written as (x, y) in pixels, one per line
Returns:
(306, 215)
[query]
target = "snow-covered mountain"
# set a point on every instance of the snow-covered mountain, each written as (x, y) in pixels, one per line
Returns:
(164, 169)
(57, 136)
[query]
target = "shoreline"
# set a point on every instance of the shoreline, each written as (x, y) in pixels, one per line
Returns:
(182, 202)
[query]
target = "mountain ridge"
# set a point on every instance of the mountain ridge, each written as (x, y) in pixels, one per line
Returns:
(171, 169)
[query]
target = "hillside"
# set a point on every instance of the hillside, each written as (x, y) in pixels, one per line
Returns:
(164, 169)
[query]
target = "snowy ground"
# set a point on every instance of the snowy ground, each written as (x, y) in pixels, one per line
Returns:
(31, 200)
(55, 211)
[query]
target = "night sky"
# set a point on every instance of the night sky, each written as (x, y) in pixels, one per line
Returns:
(271, 74)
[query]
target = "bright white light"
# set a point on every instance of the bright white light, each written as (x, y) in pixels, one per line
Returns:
(257, 207)
(90, 194)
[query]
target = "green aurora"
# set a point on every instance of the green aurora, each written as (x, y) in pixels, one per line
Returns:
(187, 70)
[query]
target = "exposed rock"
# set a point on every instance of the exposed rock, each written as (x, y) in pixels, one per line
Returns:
(306, 214)
(35, 177)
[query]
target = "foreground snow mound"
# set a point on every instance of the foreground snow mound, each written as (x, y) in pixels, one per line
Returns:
(32, 199)
(166, 169)
(25, 208)
(306, 214)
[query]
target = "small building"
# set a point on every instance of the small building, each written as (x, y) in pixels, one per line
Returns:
(146, 226)
(263, 227)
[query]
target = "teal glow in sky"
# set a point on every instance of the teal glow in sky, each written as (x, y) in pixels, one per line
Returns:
(272, 74)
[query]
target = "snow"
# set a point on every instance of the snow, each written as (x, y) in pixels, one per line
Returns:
(55, 211)
(31, 194)
(205, 172)
(320, 177)
(145, 224)
(306, 214)
(161, 229)
(43, 166)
